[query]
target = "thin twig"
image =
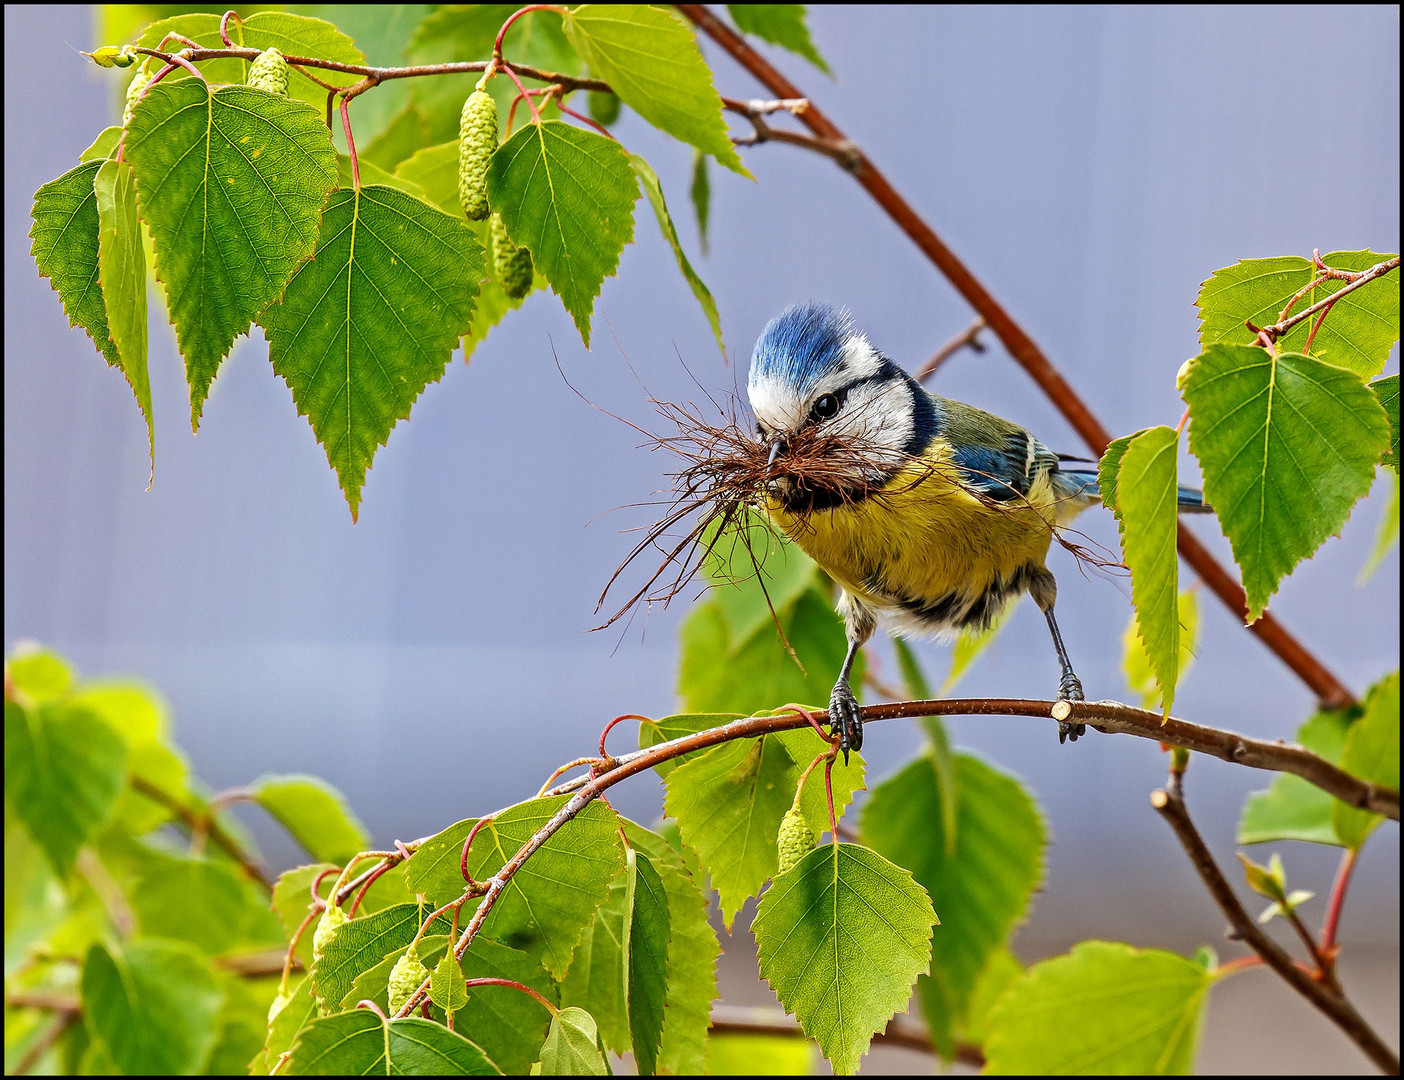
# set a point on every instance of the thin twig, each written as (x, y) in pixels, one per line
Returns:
(44, 1043)
(1329, 689)
(737, 1020)
(1332, 922)
(385, 74)
(1356, 280)
(196, 820)
(255, 965)
(969, 339)
(1330, 1002)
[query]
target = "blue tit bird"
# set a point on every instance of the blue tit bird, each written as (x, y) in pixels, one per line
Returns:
(932, 515)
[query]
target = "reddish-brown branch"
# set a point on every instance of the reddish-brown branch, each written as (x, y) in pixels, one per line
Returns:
(1104, 715)
(1325, 997)
(1330, 690)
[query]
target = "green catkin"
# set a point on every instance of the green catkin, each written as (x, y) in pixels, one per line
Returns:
(477, 139)
(406, 977)
(795, 839)
(327, 926)
(270, 72)
(511, 264)
(134, 89)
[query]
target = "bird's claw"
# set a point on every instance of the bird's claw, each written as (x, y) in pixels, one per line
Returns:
(845, 720)
(1070, 689)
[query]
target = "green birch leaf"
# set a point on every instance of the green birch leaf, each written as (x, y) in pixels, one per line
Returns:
(760, 1055)
(553, 897)
(620, 968)
(1386, 536)
(1287, 444)
(406, 134)
(728, 804)
(981, 890)
(752, 572)
(1292, 808)
(1146, 493)
(649, 938)
(359, 1042)
(700, 191)
(1387, 390)
(1139, 1012)
(566, 195)
(435, 170)
(104, 146)
(284, 1026)
(720, 673)
(506, 1023)
(1109, 468)
(467, 32)
(242, 1023)
(650, 58)
(166, 898)
(691, 958)
(433, 869)
(374, 174)
(363, 942)
(1358, 334)
(39, 673)
(675, 727)
(779, 24)
(1001, 972)
(447, 987)
(1136, 666)
(596, 976)
(654, 191)
(1371, 753)
(314, 813)
(122, 268)
(151, 1007)
(970, 646)
(65, 249)
(842, 938)
(292, 35)
(570, 1048)
(371, 319)
(231, 185)
(64, 768)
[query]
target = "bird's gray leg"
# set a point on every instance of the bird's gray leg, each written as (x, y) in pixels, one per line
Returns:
(1044, 590)
(845, 720)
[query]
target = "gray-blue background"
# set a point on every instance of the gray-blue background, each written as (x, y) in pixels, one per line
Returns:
(1091, 165)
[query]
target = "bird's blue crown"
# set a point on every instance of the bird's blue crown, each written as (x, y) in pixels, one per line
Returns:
(802, 344)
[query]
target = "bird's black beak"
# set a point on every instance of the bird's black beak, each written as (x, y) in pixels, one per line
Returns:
(777, 447)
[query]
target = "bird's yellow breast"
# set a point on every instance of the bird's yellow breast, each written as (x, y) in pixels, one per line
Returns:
(924, 536)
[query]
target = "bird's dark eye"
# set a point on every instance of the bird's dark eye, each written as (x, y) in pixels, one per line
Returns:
(826, 407)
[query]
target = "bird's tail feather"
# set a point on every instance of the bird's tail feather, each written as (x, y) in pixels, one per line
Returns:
(1083, 482)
